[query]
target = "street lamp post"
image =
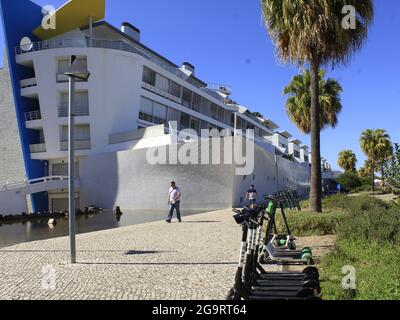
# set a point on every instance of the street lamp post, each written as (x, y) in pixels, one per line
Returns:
(76, 71)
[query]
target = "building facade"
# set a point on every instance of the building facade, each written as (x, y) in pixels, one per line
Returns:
(126, 107)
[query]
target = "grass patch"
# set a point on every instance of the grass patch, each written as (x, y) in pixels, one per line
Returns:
(305, 224)
(369, 240)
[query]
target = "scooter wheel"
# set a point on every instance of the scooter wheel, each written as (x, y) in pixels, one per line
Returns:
(305, 293)
(311, 270)
(231, 295)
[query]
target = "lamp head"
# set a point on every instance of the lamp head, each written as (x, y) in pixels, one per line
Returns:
(77, 70)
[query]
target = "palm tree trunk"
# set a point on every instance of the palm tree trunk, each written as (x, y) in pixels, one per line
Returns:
(316, 181)
(373, 176)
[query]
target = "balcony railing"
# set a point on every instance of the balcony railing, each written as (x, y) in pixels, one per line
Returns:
(33, 115)
(79, 145)
(106, 44)
(78, 111)
(27, 83)
(38, 148)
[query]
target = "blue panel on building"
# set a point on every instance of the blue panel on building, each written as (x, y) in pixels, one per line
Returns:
(20, 18)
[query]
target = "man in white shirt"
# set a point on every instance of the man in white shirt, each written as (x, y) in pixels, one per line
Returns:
(174, 200)
(251, 195)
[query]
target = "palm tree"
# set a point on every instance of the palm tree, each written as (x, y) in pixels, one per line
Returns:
(375, 143)
(385, 155)
(347, 160)
(298, 105)
(314, 33)
(366, 170)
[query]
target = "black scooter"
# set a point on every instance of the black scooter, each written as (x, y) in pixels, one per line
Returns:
(254, 283)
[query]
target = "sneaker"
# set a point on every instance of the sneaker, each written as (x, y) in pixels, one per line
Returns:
(179, 220)
(168, 221)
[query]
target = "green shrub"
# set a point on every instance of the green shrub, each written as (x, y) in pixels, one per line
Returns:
(303, 224)
(354, 203)
(349, 180)
(368, 238)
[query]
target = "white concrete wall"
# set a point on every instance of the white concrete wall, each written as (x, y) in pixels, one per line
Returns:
(126, 179)
(12, 202)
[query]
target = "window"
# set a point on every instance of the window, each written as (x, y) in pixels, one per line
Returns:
(214, 111)
(146, 110)
(306, 159)
(297, 154)
(174, 115)
(195, 125)
(149, 76)
(206, 107)
(232, 123)
(196, 102)
(187, 97)
(82, 133)
(160, 113)
(175, 90)
(221, 112)
(162, 83)
(64, 64)
(81, 99)
(185, 121)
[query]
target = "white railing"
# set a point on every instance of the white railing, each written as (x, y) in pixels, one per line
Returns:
(27, 83)
(106, 44)
(33, 115)
(161, 92)
(26, 183)
(79, 145)
(78, 111)
(38, 148)
(220, 87)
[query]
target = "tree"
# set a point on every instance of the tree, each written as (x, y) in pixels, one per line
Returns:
(366, 170)
(347, 160)
(298, 105)
(374, 144)
(392, 170)
(316, 33)
(384, 156)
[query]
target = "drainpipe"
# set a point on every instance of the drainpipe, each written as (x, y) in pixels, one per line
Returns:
(90, 31)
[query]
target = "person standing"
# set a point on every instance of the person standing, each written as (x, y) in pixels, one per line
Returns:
(251, 195)
(174, 201)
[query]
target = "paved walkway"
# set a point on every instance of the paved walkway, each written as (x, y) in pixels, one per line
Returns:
(193, 260)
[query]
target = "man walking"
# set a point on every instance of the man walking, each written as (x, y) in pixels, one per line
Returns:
(251, 195)
(174, 200)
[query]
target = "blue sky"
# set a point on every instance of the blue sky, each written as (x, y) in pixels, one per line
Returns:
(228, 43)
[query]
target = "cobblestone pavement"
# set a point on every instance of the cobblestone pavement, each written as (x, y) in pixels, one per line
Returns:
(193, 260)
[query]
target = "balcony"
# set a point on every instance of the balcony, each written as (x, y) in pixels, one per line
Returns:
(78, 111)
(33, 115)
(28, 83)
(105, 44)
(79, 145)
(161, 92)
(38, 148)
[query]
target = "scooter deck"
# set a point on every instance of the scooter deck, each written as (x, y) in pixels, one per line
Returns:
(285, 277)
(275, 293)
(292, 288)
(282, 282)
(280, 298)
